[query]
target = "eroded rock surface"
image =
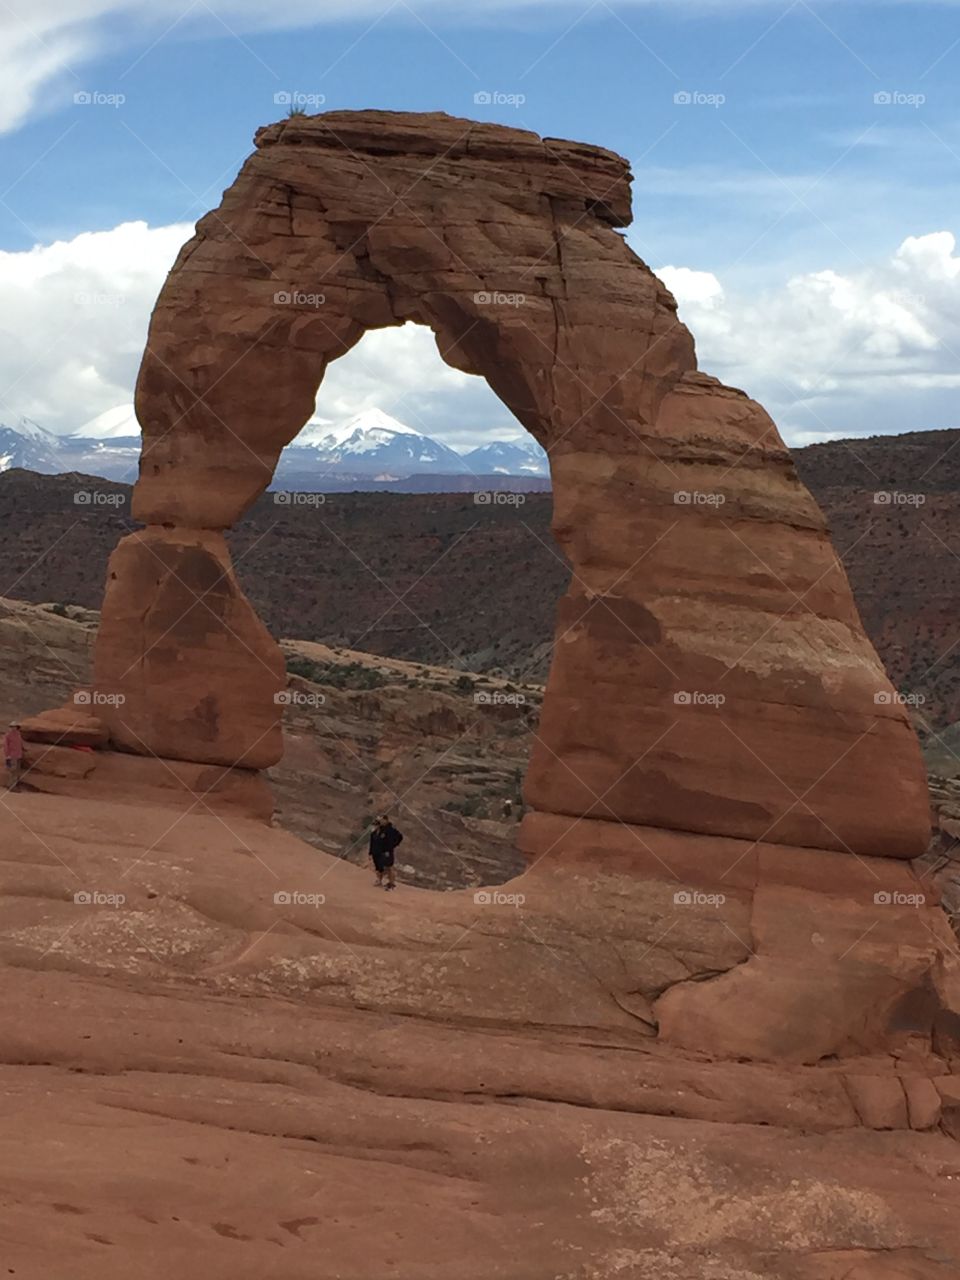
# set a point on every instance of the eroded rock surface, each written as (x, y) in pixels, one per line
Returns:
(183, 666)
(710, 672)
(652, 1055)
(220, 1046)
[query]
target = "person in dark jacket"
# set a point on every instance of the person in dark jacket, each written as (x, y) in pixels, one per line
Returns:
(384, 839)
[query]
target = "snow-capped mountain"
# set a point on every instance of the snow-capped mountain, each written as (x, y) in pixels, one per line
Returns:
(119, 423)
(509, 458)
(367, 447)
(329, 433)
(371, 443)
(108, 445)
(30, 446)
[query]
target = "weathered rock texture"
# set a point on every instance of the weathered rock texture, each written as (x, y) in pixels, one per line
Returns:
(652, 1056)
(227, 1056)
(710, 672)
(193, 670)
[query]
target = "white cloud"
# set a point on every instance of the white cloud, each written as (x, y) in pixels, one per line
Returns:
(827, 352)
(73, 320)
(73, 323)
(28, 64)
(41, 46)
(696, 288)
(799, 438)
(401, 372)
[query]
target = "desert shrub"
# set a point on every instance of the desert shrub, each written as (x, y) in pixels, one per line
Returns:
(303, 667)
(470, 807)
(349, 675)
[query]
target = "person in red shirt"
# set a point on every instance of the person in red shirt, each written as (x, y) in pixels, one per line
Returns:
(13, 755)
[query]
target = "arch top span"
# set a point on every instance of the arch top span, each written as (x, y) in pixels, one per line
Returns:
(500, 241)
(710, 671)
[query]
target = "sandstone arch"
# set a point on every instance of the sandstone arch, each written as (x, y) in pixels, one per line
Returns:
(396, 217)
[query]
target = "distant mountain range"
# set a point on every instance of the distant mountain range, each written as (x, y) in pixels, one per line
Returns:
(370, 449)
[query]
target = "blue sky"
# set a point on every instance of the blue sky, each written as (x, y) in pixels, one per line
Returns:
(802, 205)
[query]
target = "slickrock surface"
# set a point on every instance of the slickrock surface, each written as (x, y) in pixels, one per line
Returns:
(652, 1055)
(710, 673)
(225, 1055)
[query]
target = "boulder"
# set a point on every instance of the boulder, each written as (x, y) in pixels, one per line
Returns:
(880, 1100)
(71, 725)
(137, 780)
(948, 1088)
(923, 1102)
(58, 762)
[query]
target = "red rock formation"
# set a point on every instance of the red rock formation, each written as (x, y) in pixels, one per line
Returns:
(183, 666)
(226, 1055)
(710, 672)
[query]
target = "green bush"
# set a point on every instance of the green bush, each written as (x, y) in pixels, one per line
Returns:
(350, 675)
(303, 667)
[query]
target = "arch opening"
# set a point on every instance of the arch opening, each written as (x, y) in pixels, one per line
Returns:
(400, 370)
(422, 587)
